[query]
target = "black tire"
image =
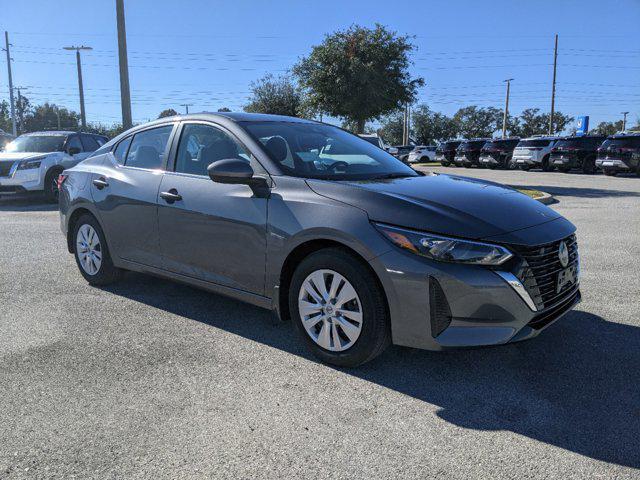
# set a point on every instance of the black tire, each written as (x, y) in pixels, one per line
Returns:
(564, 169)
(445, 164)
(107, 272)
(375, 335)
(546, 166)
(525, 168)
(589, 165)
(51, 192)
(610, 172)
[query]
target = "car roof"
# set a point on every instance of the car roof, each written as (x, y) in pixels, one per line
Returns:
(541, 137)
(625, 134)
(52, 133)
(233, 116)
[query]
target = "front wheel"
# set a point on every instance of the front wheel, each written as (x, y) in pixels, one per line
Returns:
(338, 308)
(589, 165)
(51, 191)
(546, 166)
(91, 252)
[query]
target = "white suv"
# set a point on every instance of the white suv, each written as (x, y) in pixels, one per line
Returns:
(422, 153)
(33, 161)
(533, 152)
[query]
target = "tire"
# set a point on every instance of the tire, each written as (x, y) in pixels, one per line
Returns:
(589, 165)
(445, 164)
(564, 169)
(609, 172)
(546, 166)
(51, 192)
(369, 300)
(525, 167)
(105, 272)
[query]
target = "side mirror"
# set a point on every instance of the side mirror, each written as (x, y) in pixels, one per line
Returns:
(234, 171)
(73, 151)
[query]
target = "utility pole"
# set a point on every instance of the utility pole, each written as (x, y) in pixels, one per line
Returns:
(125, 93)
(58, 117)
(406, 119)
(553, 87)
(624, 120)
(506, 109)
(19, 120)
(14, 128)
(186, 106)
(83, 116)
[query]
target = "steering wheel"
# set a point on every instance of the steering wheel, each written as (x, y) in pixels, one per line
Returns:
(339, 163)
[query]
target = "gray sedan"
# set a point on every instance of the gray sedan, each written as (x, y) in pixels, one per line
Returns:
(354, 247)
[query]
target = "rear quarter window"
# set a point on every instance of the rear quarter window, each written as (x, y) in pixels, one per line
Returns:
(120, 153)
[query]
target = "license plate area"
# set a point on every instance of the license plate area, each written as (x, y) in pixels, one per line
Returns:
(566, 278)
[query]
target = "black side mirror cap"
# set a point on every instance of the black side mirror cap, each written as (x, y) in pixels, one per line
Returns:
(234, 171)
(73, 150)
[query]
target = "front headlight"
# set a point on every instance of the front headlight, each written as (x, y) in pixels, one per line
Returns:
(30, 163)
(445, 249)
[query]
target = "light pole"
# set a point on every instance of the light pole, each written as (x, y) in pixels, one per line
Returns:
(506, 109)
(83, 117)
(123, 63)
(624, 120)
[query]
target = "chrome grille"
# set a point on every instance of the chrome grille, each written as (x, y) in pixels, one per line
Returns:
(5, 168)
(539, 271)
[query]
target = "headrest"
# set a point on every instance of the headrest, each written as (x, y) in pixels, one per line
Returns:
(277, 147)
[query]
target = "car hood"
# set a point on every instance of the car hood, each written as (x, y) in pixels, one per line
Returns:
(12, 156)
(449, 205)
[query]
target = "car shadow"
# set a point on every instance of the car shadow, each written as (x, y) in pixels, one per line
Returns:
(576, 386)
(26, 202)
(581, 192)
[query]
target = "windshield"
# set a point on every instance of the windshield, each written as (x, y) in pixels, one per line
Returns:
(311, 150)
(622, 142)
(577, 142)
(36, 143)
(534, 143)
(372, 140)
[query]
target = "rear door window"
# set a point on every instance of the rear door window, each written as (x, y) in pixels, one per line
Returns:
(148, 148)
(74, 142)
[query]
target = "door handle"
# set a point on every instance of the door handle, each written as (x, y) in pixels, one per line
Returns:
(100, 183)
(171, 196)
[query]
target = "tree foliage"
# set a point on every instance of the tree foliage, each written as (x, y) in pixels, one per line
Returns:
(169, 112)
(532, 122)
(274, 95)
(429, 127)
(49, 116)
(359, 74)
(224, 109)
(476, 122)
(391, 128)
(608, 128)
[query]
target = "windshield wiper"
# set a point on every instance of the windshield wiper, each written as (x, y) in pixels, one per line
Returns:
(393, 175)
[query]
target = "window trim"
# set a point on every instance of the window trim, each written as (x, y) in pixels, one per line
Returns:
(167, 149)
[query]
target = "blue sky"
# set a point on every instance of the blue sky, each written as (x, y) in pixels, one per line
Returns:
(207, 52)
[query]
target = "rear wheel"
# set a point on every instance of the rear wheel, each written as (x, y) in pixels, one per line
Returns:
(546, 166)
(91, 252)
(338, 308)
(610, 172)
(51, 192)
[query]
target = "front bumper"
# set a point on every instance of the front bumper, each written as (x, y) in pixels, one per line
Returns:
(484, 308)
(21, 180)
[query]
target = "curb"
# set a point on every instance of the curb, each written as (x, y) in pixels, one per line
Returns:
(546, 199)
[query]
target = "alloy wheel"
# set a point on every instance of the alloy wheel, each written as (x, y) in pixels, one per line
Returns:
(330, 310)
(88, 249)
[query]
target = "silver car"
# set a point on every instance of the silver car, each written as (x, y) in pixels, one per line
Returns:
(355, 248)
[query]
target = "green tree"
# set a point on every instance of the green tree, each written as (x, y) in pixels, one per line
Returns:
(5, 116)
(22, 108)
(359, 74)
(49, 116)
(476, 121)
(274, 95)
(607, 128)
(391, 128)
(224, 109)
(108, 131)
(532, 122)
(169, 112)
(428, 126)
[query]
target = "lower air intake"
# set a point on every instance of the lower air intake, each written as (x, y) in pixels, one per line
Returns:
(440, 312)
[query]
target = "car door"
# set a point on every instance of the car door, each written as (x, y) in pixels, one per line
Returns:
(126, 194)
(211, 231)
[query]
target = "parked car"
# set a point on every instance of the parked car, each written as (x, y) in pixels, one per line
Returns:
(4, 139)
(468, 152)
(33, 161)
(576, 152)
(304, 218)
(422, 153)
(403, 152)
(534, 152)
(620, 153)
(446, 152)
(498, 153)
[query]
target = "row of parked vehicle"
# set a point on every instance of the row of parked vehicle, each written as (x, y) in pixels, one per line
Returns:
(586, 153)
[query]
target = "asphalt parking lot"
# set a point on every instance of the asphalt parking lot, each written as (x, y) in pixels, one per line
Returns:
(151, 379)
